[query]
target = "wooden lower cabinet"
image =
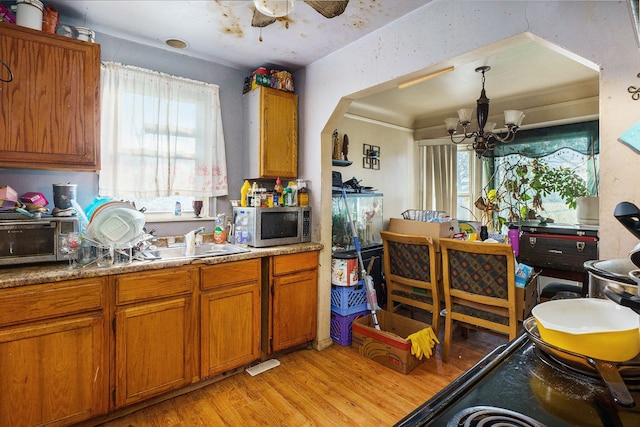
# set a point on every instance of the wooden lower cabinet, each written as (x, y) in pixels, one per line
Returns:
(293, 299)
(74, 350)
(229, 316)
(155, 333)
(53, 354)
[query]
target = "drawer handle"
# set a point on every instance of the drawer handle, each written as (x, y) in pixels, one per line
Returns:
(580, 246)
(532, 241)
(555, 251)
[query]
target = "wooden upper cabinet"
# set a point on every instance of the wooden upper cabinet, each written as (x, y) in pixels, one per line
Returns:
(271, 132)
(51, 110)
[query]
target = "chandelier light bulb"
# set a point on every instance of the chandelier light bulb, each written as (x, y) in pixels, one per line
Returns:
(451, 124)
(465, 114)
(274, 8)
(511, 117)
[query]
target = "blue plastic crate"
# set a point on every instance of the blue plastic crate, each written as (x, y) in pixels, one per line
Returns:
(349, 299)
(341, 327)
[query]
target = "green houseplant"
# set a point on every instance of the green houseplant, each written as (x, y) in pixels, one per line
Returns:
(521, 188)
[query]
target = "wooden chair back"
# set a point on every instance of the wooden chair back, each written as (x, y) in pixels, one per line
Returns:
(479, 287)
(412, 271)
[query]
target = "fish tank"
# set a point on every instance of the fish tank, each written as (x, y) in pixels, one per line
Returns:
(366, 214)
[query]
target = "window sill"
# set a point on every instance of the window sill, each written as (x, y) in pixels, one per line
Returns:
(153, 218)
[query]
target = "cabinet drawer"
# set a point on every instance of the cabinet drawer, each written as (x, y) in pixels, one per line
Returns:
(154, 284)
(230, 274)
(286, 264)
(36, 302)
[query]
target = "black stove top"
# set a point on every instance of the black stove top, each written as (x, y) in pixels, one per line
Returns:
(514, 381)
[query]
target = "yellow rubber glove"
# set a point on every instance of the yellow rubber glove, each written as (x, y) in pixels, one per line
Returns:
(422, 342)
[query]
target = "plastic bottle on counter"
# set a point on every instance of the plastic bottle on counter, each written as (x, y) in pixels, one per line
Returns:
(277, 189)
(303, 193)
(244, 193)
(253, 192)
(484, 233)
(514, 238)
(178, 210)
(292, 194)
(220, 232)
(256, 195)
(287, 197)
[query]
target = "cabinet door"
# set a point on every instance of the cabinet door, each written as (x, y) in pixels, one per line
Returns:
(53, 373)
(230, 316)
(153, 342)
(230, 328)
(50, 111)
(279, 134)
(271, 133)
(295, 309)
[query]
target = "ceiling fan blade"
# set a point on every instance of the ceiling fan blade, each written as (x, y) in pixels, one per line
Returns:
(328, 9)
(259, 20)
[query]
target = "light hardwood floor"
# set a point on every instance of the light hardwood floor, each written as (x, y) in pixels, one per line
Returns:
(334, 387)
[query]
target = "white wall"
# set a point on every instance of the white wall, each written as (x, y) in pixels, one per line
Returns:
(599, 31)
(394, 179)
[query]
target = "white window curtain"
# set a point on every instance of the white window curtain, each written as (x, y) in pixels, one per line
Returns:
(438, 170)
(161, 135)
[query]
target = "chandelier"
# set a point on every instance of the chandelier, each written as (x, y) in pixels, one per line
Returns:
(484, 139)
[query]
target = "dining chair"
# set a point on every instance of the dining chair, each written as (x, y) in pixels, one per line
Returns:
(479, 287)
(411, 270)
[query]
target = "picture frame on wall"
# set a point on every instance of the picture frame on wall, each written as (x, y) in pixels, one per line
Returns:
(371, 156)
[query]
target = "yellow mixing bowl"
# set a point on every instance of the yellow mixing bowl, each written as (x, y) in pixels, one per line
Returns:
(597, 328)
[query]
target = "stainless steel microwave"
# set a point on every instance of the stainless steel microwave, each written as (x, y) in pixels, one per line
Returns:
(261, 227)
(34, 240)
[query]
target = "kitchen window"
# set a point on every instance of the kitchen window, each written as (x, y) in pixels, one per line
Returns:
(454, 182)
(162, 139)
(468, 184)
(573, 146)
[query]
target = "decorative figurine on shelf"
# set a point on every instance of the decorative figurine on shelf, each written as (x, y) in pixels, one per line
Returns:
(345, 147)
(337, 148)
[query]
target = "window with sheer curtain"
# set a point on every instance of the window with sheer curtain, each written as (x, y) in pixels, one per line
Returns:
(161, 136)
(438, 177)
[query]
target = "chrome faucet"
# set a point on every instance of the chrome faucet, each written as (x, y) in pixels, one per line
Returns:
(190, 240)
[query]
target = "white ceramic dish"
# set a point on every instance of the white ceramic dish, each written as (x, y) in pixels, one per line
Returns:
(116, 223)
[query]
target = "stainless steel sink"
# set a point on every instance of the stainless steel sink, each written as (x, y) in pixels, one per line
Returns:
(201, 251)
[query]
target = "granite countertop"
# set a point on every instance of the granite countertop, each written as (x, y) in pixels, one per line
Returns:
(32, 274)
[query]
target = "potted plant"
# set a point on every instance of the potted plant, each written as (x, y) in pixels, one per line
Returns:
(522, 186)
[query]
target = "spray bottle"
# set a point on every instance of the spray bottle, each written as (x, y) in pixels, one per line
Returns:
(220, 231)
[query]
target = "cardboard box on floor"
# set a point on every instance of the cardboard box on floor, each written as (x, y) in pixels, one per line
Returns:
(387, 346)
(435, 230)
(526, 299)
